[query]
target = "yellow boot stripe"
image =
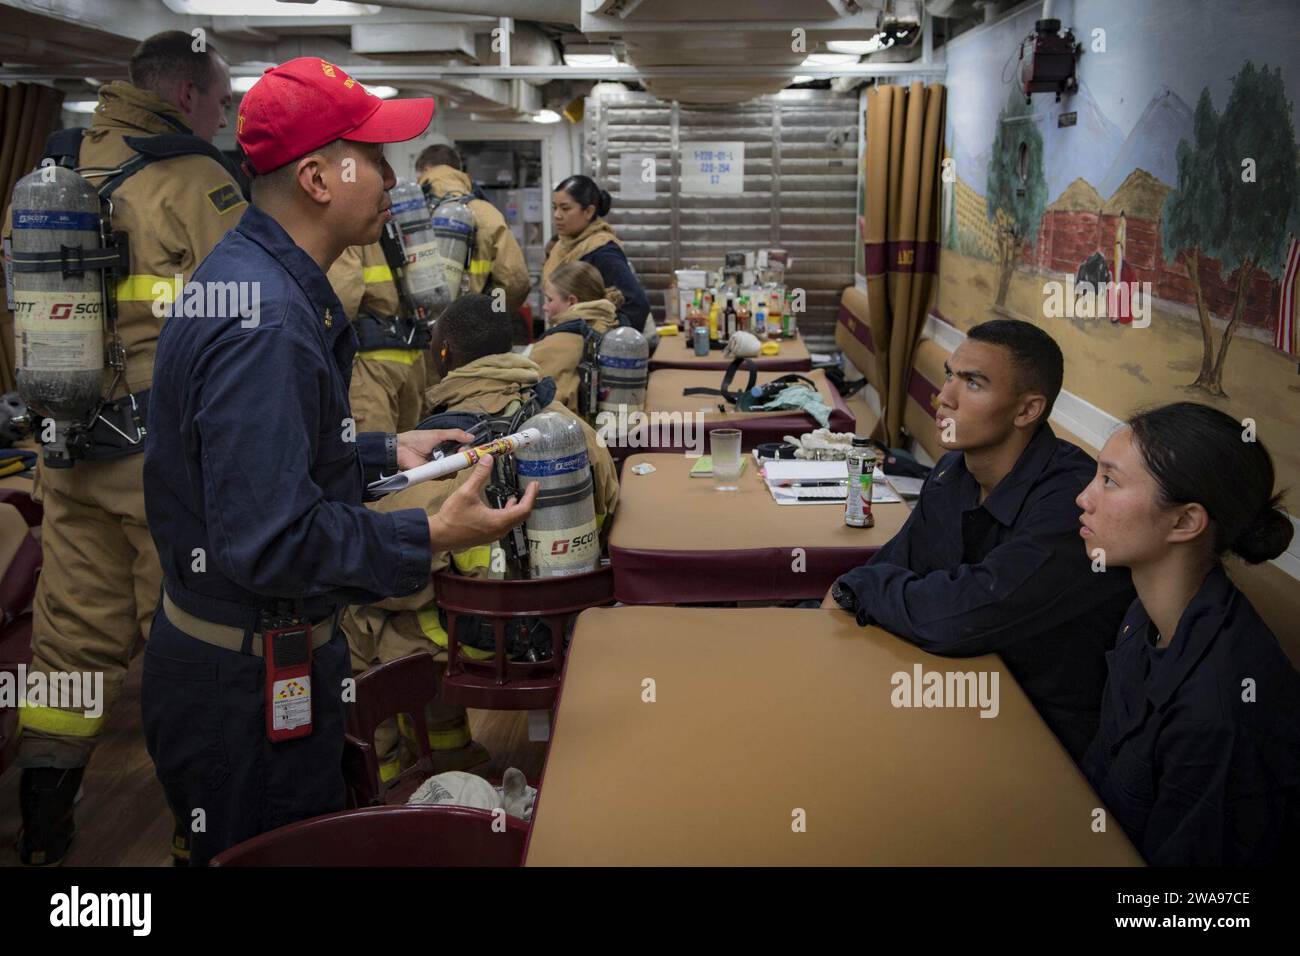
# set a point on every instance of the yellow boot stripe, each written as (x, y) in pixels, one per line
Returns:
(59, 723)
(400, 356)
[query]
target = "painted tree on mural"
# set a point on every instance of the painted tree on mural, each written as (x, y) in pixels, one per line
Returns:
(1237, 198)
(1017, 188)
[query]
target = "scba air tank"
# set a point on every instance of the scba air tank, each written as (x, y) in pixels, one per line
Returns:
(562, 534)
(453, 225)
(58, 311)
(623, 359)
(425, 283)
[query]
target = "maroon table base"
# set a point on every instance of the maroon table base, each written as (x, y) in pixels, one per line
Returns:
(697, 577)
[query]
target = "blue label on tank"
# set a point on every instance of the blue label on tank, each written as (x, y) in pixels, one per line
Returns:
(551, 466)
(55, 219)
(400, 207)
(455, 225)
(611, 361)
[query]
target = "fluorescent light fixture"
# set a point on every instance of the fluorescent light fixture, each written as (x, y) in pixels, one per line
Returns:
(242, 84)
(830, 59)
(91, 81)
(860, 47)
(81, 106)
(803, 78)
(546, 116)
(270, 8)
(590, 59)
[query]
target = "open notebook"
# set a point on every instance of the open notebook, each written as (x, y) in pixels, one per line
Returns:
(819, 482)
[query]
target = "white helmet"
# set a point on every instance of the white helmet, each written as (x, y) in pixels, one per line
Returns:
(743, 345)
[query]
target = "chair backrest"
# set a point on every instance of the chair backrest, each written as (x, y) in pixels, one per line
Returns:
(20, 563)
(388, 836)
(500, 683)
(404, 686)
(19, 494)
(925, 379)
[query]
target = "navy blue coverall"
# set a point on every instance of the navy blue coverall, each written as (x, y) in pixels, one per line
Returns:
(1009, 576)
(253, 484)
(1198, 756)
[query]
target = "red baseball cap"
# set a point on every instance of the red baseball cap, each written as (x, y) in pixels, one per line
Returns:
(305, 103)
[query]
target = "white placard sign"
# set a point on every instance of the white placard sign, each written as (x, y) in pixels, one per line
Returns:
(636, 176)
(709, 167)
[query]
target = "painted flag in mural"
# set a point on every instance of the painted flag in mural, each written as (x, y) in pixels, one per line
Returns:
(1285, 339)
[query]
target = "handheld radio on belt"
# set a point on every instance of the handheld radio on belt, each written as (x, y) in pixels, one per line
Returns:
(286, 648)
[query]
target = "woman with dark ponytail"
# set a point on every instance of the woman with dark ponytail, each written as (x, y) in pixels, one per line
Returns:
(1198, 752)
(578, 207)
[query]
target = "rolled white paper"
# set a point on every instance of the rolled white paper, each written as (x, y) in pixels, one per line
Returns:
(449, 464)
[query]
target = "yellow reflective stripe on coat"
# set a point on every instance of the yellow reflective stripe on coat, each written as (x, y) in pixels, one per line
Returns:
(452, 739)
(400, 356)
(389, 768)
(433, 630)
(372, 274)
(148, 288)
(59, 723)
(473, 559)
(480, 267)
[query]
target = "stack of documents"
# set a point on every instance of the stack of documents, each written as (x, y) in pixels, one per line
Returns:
(818, 483)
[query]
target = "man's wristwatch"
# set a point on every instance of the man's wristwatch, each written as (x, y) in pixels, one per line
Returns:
(390, 452)
(844, 596)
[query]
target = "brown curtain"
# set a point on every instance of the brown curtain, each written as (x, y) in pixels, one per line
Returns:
(903, 155)
(28, 114)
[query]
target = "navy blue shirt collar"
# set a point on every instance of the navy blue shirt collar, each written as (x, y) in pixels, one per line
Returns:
(1199, 624)
(1006, 500)
(264, 230)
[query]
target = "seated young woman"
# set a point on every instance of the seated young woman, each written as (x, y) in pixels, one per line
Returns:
(577, 303)
(1198, 752)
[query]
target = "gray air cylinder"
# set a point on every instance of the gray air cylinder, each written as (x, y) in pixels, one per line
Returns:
(562, 534)
(623, 358)
(425, 283)
(453, 225)
(58, 313)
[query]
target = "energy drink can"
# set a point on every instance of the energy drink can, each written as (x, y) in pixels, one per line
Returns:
(861, 461)
(700, 339)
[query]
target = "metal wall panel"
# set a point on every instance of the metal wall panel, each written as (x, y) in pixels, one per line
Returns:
(799, 193)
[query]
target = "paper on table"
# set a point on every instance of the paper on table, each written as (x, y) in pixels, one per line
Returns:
(448, 464)
(793, 494)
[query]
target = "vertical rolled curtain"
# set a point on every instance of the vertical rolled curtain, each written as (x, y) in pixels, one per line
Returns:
(901, 232)
(29, 112)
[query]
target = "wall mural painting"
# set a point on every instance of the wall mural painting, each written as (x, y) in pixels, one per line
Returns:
(1157, 240)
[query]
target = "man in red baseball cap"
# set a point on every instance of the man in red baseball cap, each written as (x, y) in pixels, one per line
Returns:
(254, 474)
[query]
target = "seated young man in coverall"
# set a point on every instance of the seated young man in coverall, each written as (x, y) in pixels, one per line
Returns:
(480, 375)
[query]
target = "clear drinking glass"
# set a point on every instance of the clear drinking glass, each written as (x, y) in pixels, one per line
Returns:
(724, 447)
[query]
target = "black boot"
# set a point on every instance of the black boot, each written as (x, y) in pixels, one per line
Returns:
(46, 795)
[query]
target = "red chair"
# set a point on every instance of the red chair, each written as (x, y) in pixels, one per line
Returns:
(404, 686)
(500, 683)
(27, 506)
(8, 736)
(387, 836)
(17, 588)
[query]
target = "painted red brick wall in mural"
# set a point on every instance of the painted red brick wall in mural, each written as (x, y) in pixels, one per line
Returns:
(1066, 238)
